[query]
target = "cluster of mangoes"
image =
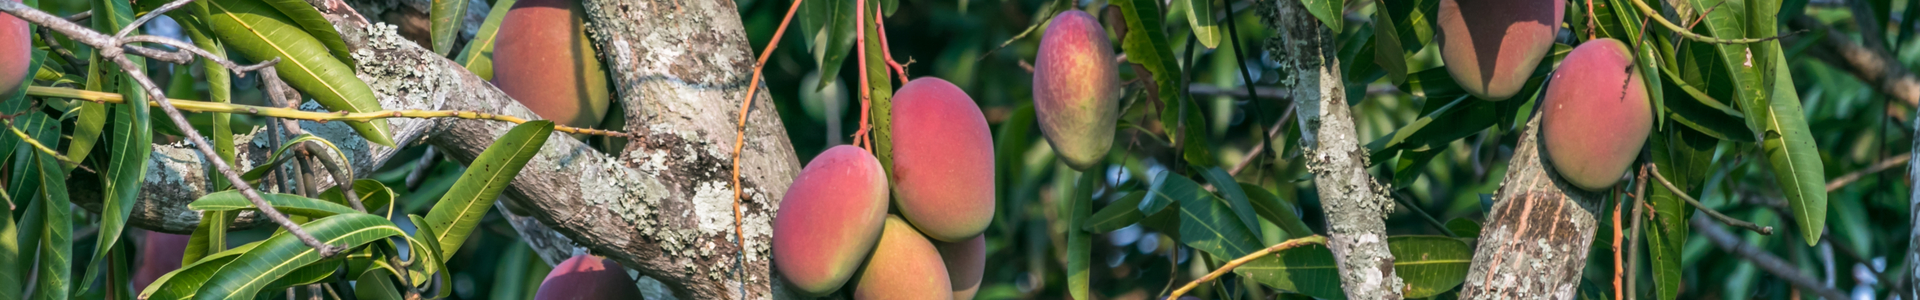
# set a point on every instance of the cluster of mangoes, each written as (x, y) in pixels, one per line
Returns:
(834, 224)
(1594, 115)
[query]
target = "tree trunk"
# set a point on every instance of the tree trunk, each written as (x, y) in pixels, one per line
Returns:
(1534, 243)
(1356, 205)
(664, 206)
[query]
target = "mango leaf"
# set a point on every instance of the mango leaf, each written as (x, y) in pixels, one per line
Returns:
(1773, 111)
(1167, 189)
(262, 33)
(1645, 53)
(1387, 50)
(427, 252)
(56, 216)
(315, 24)
(462, 207)
(1430, 265)
(1328, 11)
(182, 283)
(447, 17)
(1146, 44)
(13, 256)
(1191, 129)
(1199, 15)
(1236, 198)
(283, 154)
(309, 274)
(1119, 214)
(1280, 212)
(1700, 111)
(478, 56)
(881, 98)
(230, 200)
(1207, 224)
(209, 237)
(1079, 242)
(376, 284)
(1464, 227)
(373, 194)
(126, 171)
(828, 29)
(1686, 158)
(282, 254)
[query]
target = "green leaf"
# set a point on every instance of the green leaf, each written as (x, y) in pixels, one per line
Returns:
(56, 217)
(1464, 227)
(1119, 214)
(230, 200)
(1328, 11)
(309, 274)
(425, 250)
(1146, 44)
(1387, 50)
(1236, 198)
(447, 18)
(182, 283)
(1280, 212)
(126, 171)
(1169, 188)
(219, 82)
(478, 56)
(1195, 148)
(1789, 144)
(1200, 17)
(314, 23)
(283, 154)
(461, 209)
(1685, 157)
(209, 237)
(282, 254)
(373, 194)
(376, 284)
(828, 29)
(1206, 224)
(880, 98)
(1429, 265)
(262, 33)
(1080, 242)
(1700, 111)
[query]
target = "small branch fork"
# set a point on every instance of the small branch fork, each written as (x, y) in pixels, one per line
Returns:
(1289, 244)
(114, 49)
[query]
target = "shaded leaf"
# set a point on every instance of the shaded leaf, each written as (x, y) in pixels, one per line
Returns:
(282, 254)
(1199, 15)
(1119, 214)
(447, 17)
(1328, 11)
(1079, 242)
(1429, 265)
(461, 208)
(1207, 224)
(376, 284)
(1146, 44)
(1281, 212)
(287, 203)
(828, 29)
(310, 20)
(1236, 198)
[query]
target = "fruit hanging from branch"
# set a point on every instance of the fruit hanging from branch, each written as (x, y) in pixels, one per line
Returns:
(829, 220)
(903, 266)
(1076, 89)
(942, 160)
(966, 263)
(1492, 46)
(16, 51)
(1595, 115)
(587, 276)
(543, 59)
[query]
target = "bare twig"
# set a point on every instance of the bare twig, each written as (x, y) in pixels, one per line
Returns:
(1619, 272)
(860, 136)
(1760, 258)
(1289, 244)
(886, 52)
(1768, 230)
(163, 9)
(110, 48)
(296, 114)
(1655, 15)
(1633, 233)
(42, 147)
(1277, 126)
(1849, 178)
(740, 132)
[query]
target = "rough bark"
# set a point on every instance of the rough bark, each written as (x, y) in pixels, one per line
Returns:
(1356, 204)
(662, 207)
(1534, 243)
(1913, 202)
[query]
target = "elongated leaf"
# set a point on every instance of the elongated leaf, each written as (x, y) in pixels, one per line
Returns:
(1199, 16)
(1146, 44)
(447, 18)
(881, 97)
(1387, 50)
(309, 274)
(1208, 225)
(291, 204)
(12, 256)
(373, 194)
(461, 209)
(828, 29)
(282, 254)
(1464, 227)
(262, 33)
(219, 82)
(478, 56)
(1236, 198)
(56, 244)
(1684, 157)
(1773, 111)
(1167, 189)
(1429, 265)
(426, 251)
(1281, 212)
(1119, 214)
(209, 237)
(12, 103)
(376, 284)
(1080, 242)
(126, 170)
(1328, 11)
(315, 24)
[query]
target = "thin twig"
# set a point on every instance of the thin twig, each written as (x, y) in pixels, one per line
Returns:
(1760, 258)
(73, 61)
(1655, 15)
(1285, 117)
(342, 175)
(866, 92)
(1619, 272)
(880, 27)
(163, 9)
(110, 48)
(1767, 230)
(1849, 178)
(1289, 244)
(740, 131)
(24, 137)
(1633, 233)
(296, 114)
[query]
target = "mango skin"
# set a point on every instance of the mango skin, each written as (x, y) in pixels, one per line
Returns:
(942, 160)
(829, 220)
(1595, 116)
(585, 277)
(159, 255)
(1492, 46)
(966, 261)
(543, 59)
(16, 52)
(1076, 89)
(903, 266)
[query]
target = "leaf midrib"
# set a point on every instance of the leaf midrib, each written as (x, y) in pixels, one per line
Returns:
(491, 180)
(289, 58)
(309, 250)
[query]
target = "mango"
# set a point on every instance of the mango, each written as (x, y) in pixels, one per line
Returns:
(1076, 89)
(1492, 46)
(1595, 115)
(966, 262)
(942, 160)
(16, 53)
(585, 277)
(904, 266)
(829, 220)
(543, 59)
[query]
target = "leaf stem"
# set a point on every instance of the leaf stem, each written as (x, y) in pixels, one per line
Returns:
(1730, 221)
(1289, 244)
(1651, 13)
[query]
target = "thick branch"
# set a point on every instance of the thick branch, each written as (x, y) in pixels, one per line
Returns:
(1766, 261)
(1875, 67)
(1356, 205)
(1535, 240)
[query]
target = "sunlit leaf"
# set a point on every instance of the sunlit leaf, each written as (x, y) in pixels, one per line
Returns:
(287, 203)
(247, 274)
(456, 214)
(263, 33)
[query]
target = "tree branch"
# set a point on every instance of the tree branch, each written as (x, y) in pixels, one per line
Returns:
(1536, 236)
(1760, 258)
(1876, 68)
